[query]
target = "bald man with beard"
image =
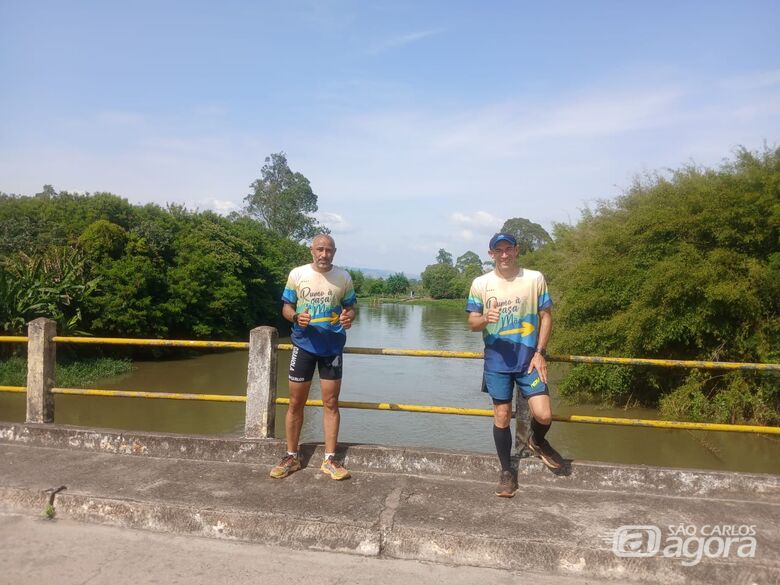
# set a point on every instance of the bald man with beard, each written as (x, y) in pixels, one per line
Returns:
(319, 301)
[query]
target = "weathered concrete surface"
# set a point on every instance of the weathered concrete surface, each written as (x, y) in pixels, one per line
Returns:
(37, 551)
(430, 462)
(41, 360)
(261, 383)
(441, 508)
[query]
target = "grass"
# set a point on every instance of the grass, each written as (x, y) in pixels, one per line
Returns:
(70, 373)
(49, 512)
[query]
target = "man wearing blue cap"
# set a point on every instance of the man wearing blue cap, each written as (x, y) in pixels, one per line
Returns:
(512, 308)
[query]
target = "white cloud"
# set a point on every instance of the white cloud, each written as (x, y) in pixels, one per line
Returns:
(335, 222)
(402, 40)
(480, 219)
(222, 206)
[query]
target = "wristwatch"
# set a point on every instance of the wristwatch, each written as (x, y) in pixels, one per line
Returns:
(542, 352)
(295, 318)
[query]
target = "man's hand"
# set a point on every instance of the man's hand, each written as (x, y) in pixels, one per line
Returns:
(346, 317)
(493, 314)
(539, 364)
(304, 318)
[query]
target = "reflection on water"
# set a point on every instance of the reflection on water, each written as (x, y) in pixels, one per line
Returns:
(452, 382)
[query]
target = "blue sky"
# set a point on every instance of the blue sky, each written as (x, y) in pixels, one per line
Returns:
(421, 125)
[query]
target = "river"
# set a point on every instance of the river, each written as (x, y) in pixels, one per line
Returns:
(445, 382)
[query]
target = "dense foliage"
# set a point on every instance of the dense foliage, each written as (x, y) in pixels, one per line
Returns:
(97, 263)
(684, 266)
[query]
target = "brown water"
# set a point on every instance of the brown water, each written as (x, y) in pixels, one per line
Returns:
(447, 382)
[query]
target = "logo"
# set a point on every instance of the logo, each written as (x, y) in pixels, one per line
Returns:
(636, 540)
(685, 542)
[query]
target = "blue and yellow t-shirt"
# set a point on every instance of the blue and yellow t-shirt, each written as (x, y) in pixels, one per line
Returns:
(324, 294)
(510, 343)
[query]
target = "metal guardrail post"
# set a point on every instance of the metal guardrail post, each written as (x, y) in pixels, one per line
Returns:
(261, 383)
(41, 363)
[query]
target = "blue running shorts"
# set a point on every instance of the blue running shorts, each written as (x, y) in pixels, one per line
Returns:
(500, 385)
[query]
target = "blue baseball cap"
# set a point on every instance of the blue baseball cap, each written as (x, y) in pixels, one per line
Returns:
(502, 237)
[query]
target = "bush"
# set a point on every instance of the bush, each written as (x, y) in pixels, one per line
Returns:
(680, 267)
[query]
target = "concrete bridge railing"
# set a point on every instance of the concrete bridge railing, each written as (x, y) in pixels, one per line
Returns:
(260, 381)
(261, 391)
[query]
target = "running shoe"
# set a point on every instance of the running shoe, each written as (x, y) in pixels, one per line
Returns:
(546, 453)
(506, 485)
(287, 465)
(334, 469)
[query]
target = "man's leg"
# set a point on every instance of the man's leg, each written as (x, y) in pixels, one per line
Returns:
(502, 434)
(330, 384)
(541, 419)
(301, 371)
(331, 417)
(541, 413)
(293, 421)
(500, 388)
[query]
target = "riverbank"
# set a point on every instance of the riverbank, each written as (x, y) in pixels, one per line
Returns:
(71, 373)
(423, 301)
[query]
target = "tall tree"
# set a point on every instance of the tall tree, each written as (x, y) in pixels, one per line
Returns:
(283, 200)
(467, 260)
(530, 236)
(444, 257)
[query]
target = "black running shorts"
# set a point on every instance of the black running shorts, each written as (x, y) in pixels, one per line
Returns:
(302, 364)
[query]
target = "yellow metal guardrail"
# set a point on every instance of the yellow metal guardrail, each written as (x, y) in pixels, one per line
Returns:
(419, 408)
(152, 342)
(705, 365)
(664, 363)
(632, 422)
(410, 407)
(144, 394)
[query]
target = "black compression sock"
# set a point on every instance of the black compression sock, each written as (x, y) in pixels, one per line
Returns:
(503, 439)
(539, 430)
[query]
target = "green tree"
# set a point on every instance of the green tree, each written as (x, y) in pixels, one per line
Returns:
(358, 281)
(441, 281)
(467, 261)
(138, 270)
(444, 257)
(283, 200)
(530, 236)
(375, 286)
(685, 266)
(470, 266)
(103, 239)
(396, 284)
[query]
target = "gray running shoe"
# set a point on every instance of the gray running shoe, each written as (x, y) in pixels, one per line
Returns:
(506, 485)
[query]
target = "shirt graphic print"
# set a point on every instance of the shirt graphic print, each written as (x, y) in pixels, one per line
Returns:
(510, 344)
(324, 295)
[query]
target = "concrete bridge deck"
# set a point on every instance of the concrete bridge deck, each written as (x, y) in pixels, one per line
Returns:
(430, 505)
